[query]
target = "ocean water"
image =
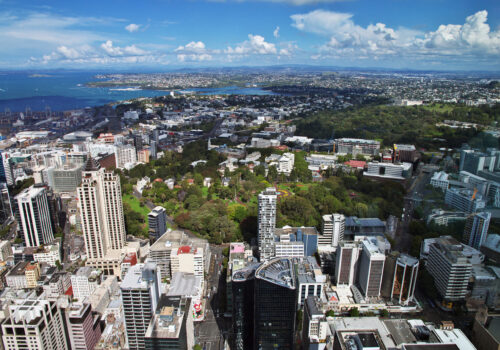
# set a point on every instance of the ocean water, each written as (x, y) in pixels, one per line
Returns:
(66, 90)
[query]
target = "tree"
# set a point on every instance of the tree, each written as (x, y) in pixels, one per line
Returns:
(384, 313)
(58, 265)
(330, 313)
(197, 347)
(354, 312)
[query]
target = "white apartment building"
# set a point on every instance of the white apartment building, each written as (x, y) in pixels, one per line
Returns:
(440, 180)
(285, 163)
(288, 249)
(101, 210)
(33, 216)
(333, 228)
(267, 222)
(187, 259)
(84, 282)
(125, 154)
(34, 324)
(48, 254)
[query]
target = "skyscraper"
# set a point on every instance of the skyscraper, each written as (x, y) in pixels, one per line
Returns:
(101, 210)
(34, 324)
(476, 229)
(267, 222)
(153, 149)
(140, 295)
(157, 221)
(5, 204)
(371, 268)
(347, 263)
(243, 281)
(33, 216)
(400, 277)
(333, 228)
(84, 330)
(275, 305)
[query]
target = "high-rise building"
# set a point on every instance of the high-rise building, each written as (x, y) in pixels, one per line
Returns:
(7, 175)
(404, 153)
(371, 267)
(187, 259)
(400, 277)
(465, 200)
(138, 144)
(476, 229)
(6, 214)
(171, 326)
(140, 295)
(450, 267)
(157, 221)
(333, 228)
(243, 285)
(267, 222)
(125, 155)
(346, 266)
(101, 209)
(33, 216)
(65, 179)
(474, 161)
(315, 328)
(153, 149)
(275, 304)
(84, 329)
(34, 324)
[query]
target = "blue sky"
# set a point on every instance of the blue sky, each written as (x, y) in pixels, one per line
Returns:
(165, 34)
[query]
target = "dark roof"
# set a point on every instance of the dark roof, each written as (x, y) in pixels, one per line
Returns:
(91, 165)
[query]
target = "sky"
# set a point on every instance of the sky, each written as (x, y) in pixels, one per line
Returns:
(170, 34)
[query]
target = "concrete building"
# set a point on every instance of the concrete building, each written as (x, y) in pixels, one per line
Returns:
(140, 291)
(48, 254)
(187, 259)
(440, 180)
(404, 153)
(357, 146)
(346, 267)
(84, 329)
(474, 161)
(310, 280)
(32, 273)
(34, 324)
(143, 156)
(315, 329)
(5, 250)
(101, 210)
(125, 155)
(450, 268)
(389, 171)
(400, 278)
(6, 214)
(84, 281)
(171, 326)
(65, 179)
(157, 222)
(267, 222)
(465, 200)
(441, 217)
(33, 216)
(57, 285)
(371, 267)
(333, 229)
(491, 248)
(476, 229)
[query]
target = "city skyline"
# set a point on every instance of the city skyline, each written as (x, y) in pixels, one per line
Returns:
(165, 35)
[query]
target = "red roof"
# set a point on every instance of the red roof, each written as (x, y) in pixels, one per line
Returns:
(356, 163)
(158, 180)
(130, 258)
(69, 291)
(184, 249)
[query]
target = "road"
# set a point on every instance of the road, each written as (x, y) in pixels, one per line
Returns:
(210, 332)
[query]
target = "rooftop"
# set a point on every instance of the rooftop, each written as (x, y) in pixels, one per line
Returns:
(185, 284)
(278, 271)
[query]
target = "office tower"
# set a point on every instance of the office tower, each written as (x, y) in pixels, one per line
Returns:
(55, 209)
(243, 286)
(65, 179)
(6, 172)
(346, 266)
(34, 324)
(474, 161)
(267, 222)
(84, 329)
(404, 153)
(275, 304)
(140, 295)
(153, 149)
(171, 326)
(125, 155)
(6, 214)
(450, 267)
(156, 135)
(33, 216)
(157, 222)
(333, 228)
(371, 267)
(476, 229)
(138, 142)
(310, 279)
(400, 277)
(101, 210)
(187, 259)
(469, 201)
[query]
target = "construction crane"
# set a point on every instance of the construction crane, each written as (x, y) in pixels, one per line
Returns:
(474, 194)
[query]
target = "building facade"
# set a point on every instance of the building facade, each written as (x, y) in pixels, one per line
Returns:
(267, 222)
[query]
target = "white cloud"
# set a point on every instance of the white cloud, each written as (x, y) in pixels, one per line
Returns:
(194, 51)
(131, 50)
(276, 32)
(290, 2)
(348, 39)
(132, 27)
(255, 44)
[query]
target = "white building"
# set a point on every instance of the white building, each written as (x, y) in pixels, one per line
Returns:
(388, 170)
(465, 200)
(187, 259)
(34, 324)
(140, 292)
(371, 267)
(267, 222)
(440, 180)
(48, 254)
(34, 217)
(125, 156)
(84, 282)
(5, 250)
(333, 228)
